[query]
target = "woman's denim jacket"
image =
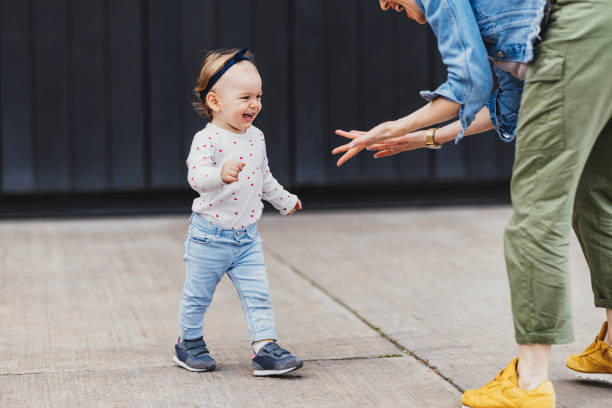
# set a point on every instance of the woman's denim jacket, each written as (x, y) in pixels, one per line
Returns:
(469, 32)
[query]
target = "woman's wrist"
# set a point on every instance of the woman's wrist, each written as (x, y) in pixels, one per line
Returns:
(441, 136)
(403, 126)
(447, 133)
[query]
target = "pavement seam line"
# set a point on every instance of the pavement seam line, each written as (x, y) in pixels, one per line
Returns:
(91, 370)
(384, 335)
(354, 358)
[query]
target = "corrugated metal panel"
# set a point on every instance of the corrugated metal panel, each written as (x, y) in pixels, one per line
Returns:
(95, 96)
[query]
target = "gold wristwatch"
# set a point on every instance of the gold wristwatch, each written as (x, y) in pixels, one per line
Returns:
(430, 141)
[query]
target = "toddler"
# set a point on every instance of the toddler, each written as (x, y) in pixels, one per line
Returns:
(229, 168)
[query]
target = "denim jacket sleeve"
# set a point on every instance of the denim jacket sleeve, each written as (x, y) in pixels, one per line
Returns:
(469, 81)
(504, 104)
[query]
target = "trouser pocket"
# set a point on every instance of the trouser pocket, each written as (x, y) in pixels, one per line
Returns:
(540, 124)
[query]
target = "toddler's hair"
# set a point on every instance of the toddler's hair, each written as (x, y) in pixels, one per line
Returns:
(213, 62)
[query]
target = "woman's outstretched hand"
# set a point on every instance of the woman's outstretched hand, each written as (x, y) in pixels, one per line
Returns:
(346, 149)
(390, 147)
(361, 140)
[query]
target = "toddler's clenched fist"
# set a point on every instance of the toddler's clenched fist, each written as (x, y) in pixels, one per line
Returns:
(230, 171)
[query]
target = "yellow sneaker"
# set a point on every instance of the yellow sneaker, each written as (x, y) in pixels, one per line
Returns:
(595, 362)
(504, 392)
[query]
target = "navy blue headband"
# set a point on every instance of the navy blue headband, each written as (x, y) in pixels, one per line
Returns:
(239, 56)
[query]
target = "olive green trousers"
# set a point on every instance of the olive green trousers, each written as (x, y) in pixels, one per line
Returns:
(562, 174)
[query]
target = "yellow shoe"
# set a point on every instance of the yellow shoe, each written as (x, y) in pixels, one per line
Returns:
(504, 392)
(595, 362)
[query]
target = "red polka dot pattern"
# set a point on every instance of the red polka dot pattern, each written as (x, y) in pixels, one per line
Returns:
(256, 183)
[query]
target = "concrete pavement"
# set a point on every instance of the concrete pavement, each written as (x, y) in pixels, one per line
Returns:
(390, 308)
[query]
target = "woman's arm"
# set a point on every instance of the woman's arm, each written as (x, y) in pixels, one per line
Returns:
(482, 123)
(467, 87)
(436, 111)
(416, 140)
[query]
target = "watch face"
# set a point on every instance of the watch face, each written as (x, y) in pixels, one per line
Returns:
(430, 139)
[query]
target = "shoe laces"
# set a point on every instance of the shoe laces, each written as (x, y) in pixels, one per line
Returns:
(594, 346)
(499, 378)
(500, 381)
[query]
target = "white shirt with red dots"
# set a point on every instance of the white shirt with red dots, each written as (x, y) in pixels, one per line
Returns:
(235, 205)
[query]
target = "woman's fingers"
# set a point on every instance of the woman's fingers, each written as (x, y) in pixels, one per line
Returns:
(380, 146)
(353, 134)
(385, 153)
(396, 144)
(378, 140)
(348, 155)
(360, 140)
(348, 135)
(341, 149)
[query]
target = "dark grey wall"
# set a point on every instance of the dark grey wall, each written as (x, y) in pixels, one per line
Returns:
(94, 95)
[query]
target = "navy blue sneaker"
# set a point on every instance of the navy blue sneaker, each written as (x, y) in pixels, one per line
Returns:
(193, 355)
(274, 360)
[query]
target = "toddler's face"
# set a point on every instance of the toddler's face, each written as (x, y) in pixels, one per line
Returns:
(239, 92)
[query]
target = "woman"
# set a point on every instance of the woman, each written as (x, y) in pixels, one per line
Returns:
(562, 174)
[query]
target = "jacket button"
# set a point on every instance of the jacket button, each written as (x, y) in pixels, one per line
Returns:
(500, 54)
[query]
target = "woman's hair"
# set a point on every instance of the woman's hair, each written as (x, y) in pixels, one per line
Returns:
(213, 62)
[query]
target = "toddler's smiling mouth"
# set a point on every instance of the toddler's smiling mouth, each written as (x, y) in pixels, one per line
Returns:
(248, 116)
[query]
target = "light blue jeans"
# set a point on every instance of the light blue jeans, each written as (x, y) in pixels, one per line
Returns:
(211, 252)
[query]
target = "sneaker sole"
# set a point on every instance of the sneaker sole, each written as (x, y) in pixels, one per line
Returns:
(607, 378)
(265, 373)
(195, 370)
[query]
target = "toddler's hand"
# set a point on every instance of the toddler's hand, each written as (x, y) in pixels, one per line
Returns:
(298, 207)
(230, 171)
